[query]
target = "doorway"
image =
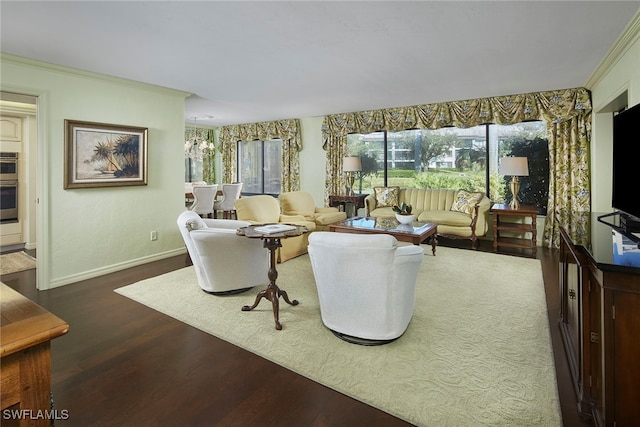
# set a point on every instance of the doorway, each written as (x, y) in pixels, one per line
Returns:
(18, 139)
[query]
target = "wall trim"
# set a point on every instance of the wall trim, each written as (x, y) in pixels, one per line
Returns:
(89, 74)
(90, 274)
(628, 37)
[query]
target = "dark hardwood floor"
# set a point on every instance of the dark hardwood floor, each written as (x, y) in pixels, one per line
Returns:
(123, 364)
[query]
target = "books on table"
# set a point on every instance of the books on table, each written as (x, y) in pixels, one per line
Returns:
(274, 228)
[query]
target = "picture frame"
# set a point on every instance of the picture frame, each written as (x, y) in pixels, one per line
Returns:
(104, 155)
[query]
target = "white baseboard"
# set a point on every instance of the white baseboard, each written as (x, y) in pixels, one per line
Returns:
(90, 274)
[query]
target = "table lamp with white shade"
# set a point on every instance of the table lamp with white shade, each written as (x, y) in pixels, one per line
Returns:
(351, 165)
(514, 167)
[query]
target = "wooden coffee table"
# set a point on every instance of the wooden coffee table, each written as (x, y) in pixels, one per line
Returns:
(416, 232)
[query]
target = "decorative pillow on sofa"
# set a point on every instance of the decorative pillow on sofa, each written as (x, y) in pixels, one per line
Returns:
(465, 201)
(386, 196)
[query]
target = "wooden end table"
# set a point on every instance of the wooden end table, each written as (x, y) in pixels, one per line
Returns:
(272, 241)
(499, 211)
(357, 200)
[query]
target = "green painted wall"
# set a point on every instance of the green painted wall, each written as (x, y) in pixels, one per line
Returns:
(88, 232)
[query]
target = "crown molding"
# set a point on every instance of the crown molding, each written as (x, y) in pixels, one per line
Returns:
(33, 63)
(628, 37)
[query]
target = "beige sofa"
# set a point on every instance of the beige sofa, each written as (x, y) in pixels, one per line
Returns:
(458, 213)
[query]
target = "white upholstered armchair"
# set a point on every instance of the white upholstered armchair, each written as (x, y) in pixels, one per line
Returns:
(366, 284)
(224, 262)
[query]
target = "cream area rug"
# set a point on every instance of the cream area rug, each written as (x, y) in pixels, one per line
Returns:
(16, 261)
(477, 350)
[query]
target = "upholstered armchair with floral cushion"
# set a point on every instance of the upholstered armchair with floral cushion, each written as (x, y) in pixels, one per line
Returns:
(301, 203)
(366, 284)
(224, 262)
(263, 209)
(460, 214)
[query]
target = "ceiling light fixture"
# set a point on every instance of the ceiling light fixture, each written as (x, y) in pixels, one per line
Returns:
(197, 147)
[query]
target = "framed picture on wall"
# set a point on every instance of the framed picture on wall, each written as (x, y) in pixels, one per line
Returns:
(104, 155)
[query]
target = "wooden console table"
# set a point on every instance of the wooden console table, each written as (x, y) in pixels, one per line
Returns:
(357, 200)
(25, 372)
(499, 224)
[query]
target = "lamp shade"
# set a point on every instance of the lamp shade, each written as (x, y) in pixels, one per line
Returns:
(351, 164)
(514, 166)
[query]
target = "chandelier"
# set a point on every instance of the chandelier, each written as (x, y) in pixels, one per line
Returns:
(197, 147)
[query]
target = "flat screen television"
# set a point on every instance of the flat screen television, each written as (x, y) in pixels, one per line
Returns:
(626, 167)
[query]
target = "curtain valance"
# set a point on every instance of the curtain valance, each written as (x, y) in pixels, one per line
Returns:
(552, 106)
(287, 130)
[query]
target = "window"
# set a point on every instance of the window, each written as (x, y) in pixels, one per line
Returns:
(193, 169)
(260, 166)
(455, 158)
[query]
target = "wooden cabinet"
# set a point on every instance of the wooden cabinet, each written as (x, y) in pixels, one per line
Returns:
(574, 332)
(615, 350)
(25, 367)
(600, 325)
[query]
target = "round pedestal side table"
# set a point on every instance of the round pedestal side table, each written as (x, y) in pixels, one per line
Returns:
(272, 234)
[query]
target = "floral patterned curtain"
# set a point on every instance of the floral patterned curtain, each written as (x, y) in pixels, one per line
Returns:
(567, 113)
(209, 156)
(287, 130)
(569, 190)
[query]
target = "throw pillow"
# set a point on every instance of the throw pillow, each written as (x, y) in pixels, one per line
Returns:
(465, 201)
(386, 196)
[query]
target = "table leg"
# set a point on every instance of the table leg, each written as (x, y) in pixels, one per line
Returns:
(272, 292)
(434, 244)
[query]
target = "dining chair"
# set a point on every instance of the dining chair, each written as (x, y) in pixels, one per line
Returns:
(203, 198)
(230, 192)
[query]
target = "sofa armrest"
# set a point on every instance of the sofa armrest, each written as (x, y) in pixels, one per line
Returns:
(369, 204)
(225, 223)
(479, 220)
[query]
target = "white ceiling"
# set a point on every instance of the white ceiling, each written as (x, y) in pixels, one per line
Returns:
(249, 61)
